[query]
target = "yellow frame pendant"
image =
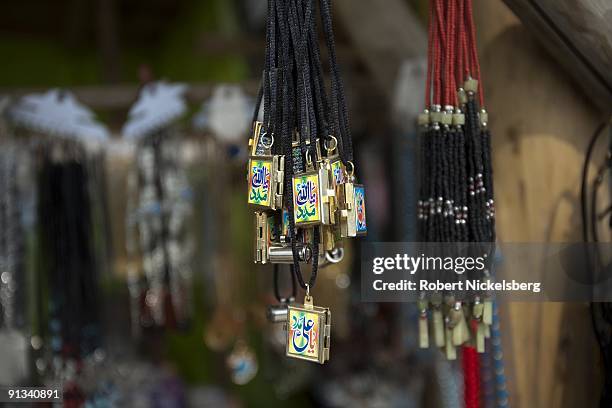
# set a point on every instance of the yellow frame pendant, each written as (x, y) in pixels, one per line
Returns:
(346, 209)
(265, 181)
(306, 199)
(266, 172)
(265, 235)
(361, 227)
(308, 332)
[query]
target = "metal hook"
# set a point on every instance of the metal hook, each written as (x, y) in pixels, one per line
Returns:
(328, 145)
(263, 140)
(352, 171)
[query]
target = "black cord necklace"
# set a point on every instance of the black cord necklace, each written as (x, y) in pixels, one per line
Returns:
(456, 185)
(301, 170)
(68, 253)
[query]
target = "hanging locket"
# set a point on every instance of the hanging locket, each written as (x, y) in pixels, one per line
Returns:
(308, 331)
(266, 171)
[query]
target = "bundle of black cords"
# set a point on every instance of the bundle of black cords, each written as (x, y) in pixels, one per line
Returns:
(67, 268)
(601, 312)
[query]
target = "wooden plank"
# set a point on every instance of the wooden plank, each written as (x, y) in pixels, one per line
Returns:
(577, 33)
(384, 34)
(540, 124)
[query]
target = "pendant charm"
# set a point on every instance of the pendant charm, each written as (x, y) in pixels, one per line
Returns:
(437, 320)
(328, 194)
(481, 330)
(277, 313)
(478, 325)
(330, 175)
(266, 173)
(273, 247)
(220, 331)
(283, 254)
(346, 209)
(284, 230)
(308, 331)
(351, 205)
(330, 237)
(450, 350)
(266, 176)
(260, 143)
(487, 313)
(338, 172)
(265, 234)
(242, 363)
(361, 228)
(423, 324)
(306, 199)
(330, 257)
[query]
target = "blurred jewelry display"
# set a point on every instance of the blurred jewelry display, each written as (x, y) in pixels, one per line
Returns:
(11, 240)
(372, 388)
(67, 247)
(227, 330)
(159, 208)
(242, 363)
(128, 382)
(225, 114)
(13, 353)
(63, 137)
(301, 173)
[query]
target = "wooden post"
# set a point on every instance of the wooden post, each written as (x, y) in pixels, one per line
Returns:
(541, 123)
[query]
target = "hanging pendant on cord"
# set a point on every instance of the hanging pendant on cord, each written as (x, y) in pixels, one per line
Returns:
(301, 172)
